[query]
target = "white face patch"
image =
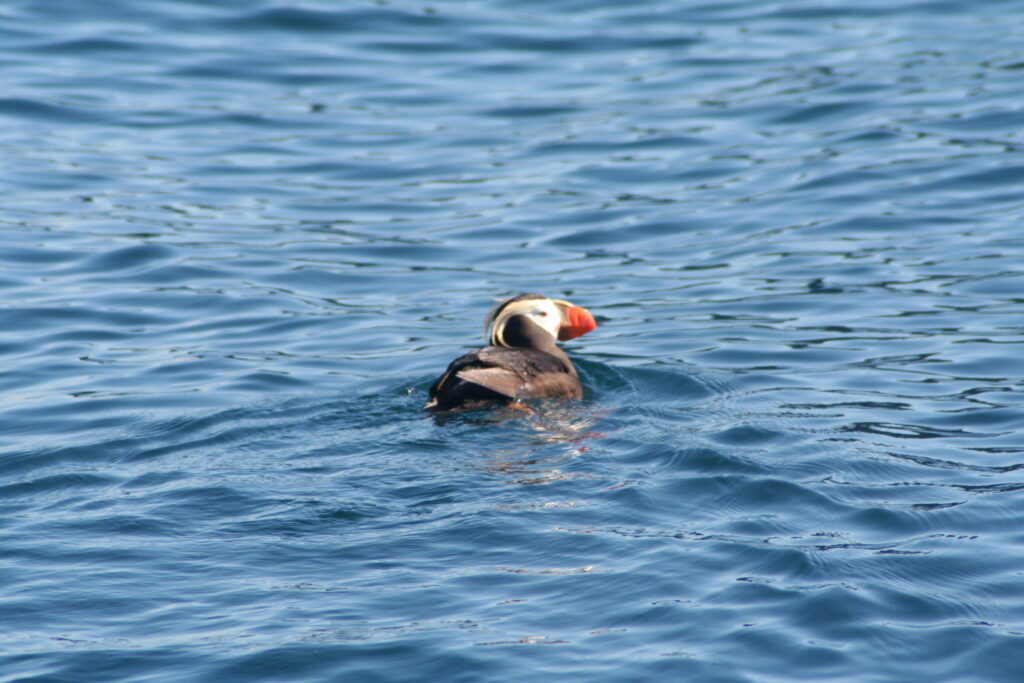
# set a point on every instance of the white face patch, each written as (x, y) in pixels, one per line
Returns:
(544, 312)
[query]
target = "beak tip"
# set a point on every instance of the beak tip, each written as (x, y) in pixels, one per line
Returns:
(580, 322)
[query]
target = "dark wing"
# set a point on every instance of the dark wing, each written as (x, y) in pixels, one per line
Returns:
(496, 374)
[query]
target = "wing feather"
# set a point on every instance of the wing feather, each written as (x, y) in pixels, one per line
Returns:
(497, 374)
(501, 380)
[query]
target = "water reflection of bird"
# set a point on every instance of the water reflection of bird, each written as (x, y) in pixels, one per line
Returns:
(522, 360)
(549, 437)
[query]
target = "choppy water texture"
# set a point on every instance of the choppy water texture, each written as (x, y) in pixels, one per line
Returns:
(239, 240)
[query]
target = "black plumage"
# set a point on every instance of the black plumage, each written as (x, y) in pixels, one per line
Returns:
(528, 364)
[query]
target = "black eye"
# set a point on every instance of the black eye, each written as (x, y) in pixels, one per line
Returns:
(543, 313)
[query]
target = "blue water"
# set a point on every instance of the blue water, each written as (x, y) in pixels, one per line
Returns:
(239, 240)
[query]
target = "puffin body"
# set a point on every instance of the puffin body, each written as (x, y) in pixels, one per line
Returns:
(522, 360)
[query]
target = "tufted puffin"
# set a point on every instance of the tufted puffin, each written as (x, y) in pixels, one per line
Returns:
(522, 360)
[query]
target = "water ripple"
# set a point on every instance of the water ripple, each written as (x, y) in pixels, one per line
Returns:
(238, 243)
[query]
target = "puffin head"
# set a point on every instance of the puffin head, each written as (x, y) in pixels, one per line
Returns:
(556, 319)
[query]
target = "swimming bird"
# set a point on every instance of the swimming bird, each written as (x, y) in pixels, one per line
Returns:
(522, 360)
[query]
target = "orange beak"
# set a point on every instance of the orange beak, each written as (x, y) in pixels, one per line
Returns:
(577, 321)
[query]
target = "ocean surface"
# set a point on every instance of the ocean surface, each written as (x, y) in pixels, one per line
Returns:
(239, 240)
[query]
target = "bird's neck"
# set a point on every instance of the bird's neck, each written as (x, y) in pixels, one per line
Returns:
(521, 332)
